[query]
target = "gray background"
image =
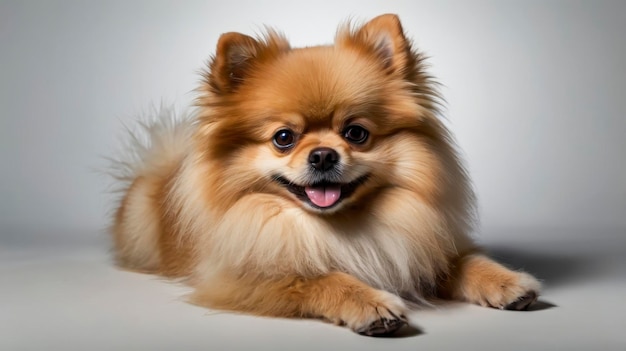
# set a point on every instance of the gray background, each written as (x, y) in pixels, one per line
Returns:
(536, 96)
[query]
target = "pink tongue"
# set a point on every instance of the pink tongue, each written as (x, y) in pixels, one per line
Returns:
(323, 196)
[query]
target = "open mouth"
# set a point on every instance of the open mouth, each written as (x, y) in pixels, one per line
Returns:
(322, 195)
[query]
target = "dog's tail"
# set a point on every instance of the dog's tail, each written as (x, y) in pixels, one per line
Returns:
(151, 154)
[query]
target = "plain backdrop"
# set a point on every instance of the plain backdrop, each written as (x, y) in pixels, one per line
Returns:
(535, 94)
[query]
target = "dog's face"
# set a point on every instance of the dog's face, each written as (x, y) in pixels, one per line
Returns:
(324, 126)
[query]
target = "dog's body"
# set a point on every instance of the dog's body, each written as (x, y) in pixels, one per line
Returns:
(313, 182)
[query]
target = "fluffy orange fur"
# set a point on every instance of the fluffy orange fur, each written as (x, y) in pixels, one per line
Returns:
(212, 198)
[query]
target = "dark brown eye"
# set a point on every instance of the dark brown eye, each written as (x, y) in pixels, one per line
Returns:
(284, 139)
(356, 134)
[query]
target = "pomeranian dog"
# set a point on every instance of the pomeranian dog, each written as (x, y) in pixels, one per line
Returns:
(312, 182)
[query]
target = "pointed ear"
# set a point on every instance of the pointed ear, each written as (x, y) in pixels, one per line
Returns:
(232, 60)
(382, 37)
(237, 54)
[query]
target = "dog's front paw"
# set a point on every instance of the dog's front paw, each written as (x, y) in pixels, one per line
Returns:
(522, 294)
(514, 291)
(378, 313)
(485, 282)
(508, 290)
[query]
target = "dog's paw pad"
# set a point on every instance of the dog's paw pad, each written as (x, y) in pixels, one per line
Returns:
(382, 327)
(523, 302)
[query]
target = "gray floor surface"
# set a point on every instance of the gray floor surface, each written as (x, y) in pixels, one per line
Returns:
(70, 297)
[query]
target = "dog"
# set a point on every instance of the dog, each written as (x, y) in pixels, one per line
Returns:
(315, 182)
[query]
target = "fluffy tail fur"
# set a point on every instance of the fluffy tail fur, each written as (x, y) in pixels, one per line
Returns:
(151, 153)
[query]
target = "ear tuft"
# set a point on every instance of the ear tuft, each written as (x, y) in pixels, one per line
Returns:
(383, 37)
(383, 47)
(231, 61)
(236, 56)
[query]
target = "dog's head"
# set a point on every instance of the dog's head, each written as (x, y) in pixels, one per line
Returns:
(325, 126)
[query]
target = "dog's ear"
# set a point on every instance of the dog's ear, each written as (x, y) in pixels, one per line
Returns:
(236, 56)
(382, 37)
(233, 58)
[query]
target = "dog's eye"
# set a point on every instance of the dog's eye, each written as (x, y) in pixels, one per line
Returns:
(284, 139)
(356, 134)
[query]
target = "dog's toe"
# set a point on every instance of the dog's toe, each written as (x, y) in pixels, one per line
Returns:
(522, 302)
(382, 327)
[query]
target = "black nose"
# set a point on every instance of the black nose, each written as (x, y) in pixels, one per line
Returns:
(323, 158)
